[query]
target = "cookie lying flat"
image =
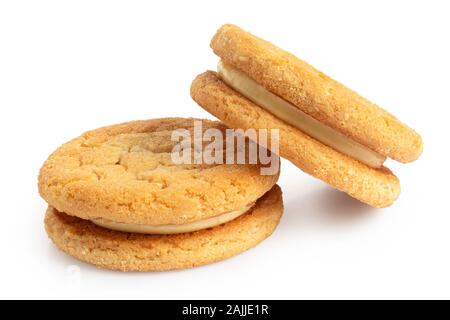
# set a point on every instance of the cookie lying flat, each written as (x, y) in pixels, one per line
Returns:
(326, 129)
(138, 252)
(123, 176)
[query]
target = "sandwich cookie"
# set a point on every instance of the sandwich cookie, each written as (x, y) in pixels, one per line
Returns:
(117, 200)
(326, 129)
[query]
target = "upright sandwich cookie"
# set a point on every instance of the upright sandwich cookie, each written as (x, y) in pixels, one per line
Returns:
(326, 129)
(117, 199)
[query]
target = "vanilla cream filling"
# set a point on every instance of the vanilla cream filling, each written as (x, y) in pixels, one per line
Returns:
(172, 228)
(285, 111)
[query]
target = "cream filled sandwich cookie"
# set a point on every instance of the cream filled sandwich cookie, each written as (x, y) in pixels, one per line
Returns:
(326, 129)
(117, 199)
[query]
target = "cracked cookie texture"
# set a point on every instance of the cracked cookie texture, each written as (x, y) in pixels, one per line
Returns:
(124, 173)
(138, 252)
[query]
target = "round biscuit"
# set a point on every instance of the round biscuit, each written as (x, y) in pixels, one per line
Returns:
(317, 94)
(138, 252)
(376, 187)
(124, 173)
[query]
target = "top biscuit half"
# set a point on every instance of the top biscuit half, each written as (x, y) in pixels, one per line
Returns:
(248, 61)
(125, 174)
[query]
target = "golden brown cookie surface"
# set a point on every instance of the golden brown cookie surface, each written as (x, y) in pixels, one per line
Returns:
(124, 173)
(136, 252)
(316, 94)
(376, 187)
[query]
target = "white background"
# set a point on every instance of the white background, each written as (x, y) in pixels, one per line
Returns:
(67, 67)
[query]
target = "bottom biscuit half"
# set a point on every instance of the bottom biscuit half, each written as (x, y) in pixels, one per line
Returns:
(377, 187)
(123, 251)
